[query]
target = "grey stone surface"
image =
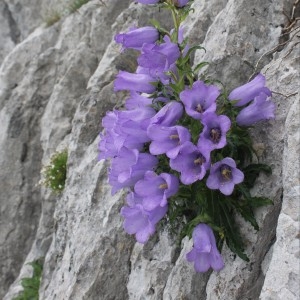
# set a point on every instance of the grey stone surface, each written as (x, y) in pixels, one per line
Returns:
(18, 19)
(9, 33)
(282, 274)
(56, 85)
(25, 88)
(26, 15)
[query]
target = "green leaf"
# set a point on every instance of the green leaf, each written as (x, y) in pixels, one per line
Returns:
(194, 48)
(248, 215)
(176, 88)
(185, 59)
(184, 191)
(232, 235)
(244, 190)
(260, 201)
(155, 23)
(252, 171)
(200, 66)
(261, 167)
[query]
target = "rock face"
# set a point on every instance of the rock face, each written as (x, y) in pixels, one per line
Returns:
(56, 85)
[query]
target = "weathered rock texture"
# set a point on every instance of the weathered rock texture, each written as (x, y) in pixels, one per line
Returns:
(56, 85)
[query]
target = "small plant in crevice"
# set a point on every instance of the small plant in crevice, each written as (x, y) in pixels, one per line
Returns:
(74, 5)
(51, 16)
(31, 285)
(54, 14)
(56, 172)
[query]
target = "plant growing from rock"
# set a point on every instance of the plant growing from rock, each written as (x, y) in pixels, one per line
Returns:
(181, 147)
(53, 14)
(55, 173)
(31, 285)
(74, 5)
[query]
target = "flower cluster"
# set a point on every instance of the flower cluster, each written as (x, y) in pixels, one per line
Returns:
(176, 145)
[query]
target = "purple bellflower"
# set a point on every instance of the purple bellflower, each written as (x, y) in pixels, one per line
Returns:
(261, 108)
(106, 145)
(167, 139)
(129, 167)
(156, 189)
(192, 162)
(214, 131)
(125, 128)
(135, 119)
(138, 221)
(137, 37)
(160, 57)
(205, 254)
(136, 100)
(168, 115)
(111, 143)
(200, 99)
(249, 91)
(114, 139)
(134, 82)
(224, 175)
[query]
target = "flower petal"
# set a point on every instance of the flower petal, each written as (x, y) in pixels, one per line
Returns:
(216, 260)
(227, 188)
(213, 181)
(202, 262)
(142, 236)
(150, 203)
(192, 255)
(237, 176)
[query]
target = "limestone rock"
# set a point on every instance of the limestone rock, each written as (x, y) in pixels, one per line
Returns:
(57, 84)
(282, 274)
(9, 33)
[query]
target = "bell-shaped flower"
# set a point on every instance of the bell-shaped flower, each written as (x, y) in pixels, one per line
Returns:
(156, 189)
(159, 59)
(134, 82)
(139, 117)
(129, 167)
(136, 101)
(214, 131)
(261, 108)
(167, 139)
(137, 37)
(200, 99)
(168, 115)
(192, 162)
(139, 221)
(158, 56)
(224, 175)
(114, 139)
(110, 143)
(247, 92)
(205, 253)
(125, 128)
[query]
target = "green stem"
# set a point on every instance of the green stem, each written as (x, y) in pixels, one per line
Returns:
(176, 23)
